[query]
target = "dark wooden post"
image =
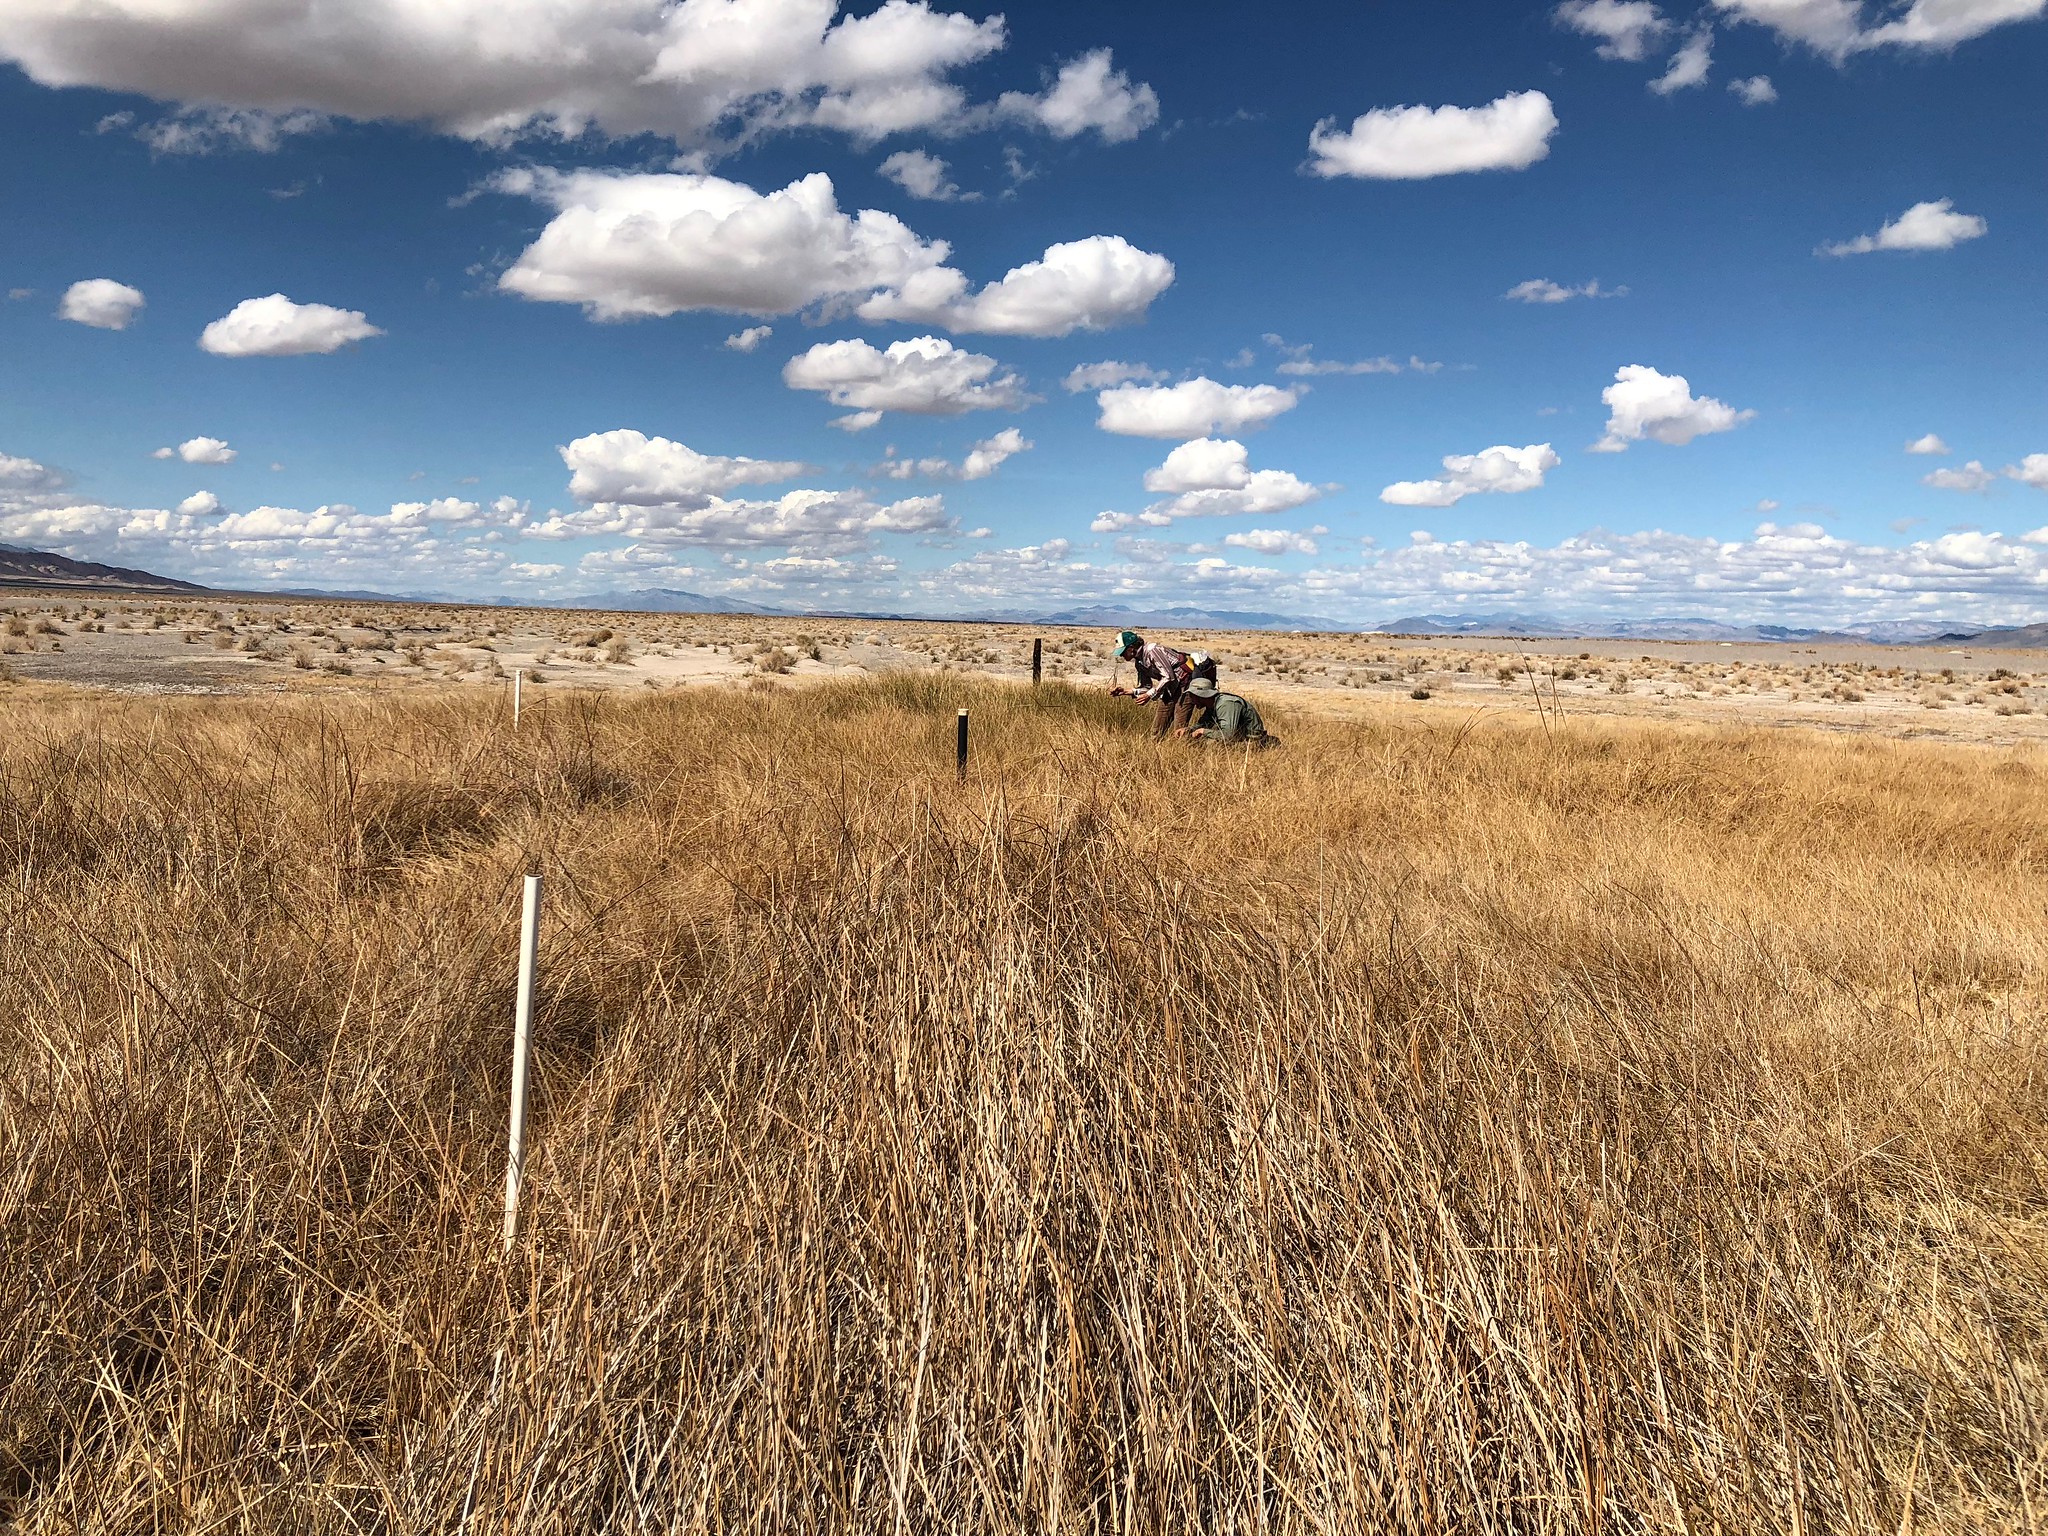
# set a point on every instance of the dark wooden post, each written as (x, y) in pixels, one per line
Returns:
(961, 756)
(1037, 662)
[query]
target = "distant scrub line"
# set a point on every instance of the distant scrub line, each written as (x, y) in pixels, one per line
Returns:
(1441, 1125)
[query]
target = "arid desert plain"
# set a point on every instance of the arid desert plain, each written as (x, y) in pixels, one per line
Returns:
(1563, 1087)
(228, 646)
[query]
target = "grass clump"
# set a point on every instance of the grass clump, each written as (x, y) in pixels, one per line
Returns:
(1429, 1126)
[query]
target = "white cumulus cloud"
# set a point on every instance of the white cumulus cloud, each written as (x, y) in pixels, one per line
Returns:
(1643, 403)
(1627, 29)
(1541, 290)
(1503, 470)
(923, 376)
(1783, 573)
(1123, 522)
(1087, 285)
(1407, 143)
(922, 175)
(634, 469)
(1972, 476)
(1213, 477)
(750, 338)
(199, 450)
(627, 244)
(1205, 463)
(1271, 541)
(1690, 65)
(1092, 376)
(1755, 91)
(1194, 408)
(455, 510)
(982, 460)
(986, 456)
(102, 303)
(1930, 226)
(815, 521)
(1930, 444)
(1301, 362)
(199, 504)
(709, 73)
(204, 130)
(1089, 93)
(1838, 28)
(2032, 470)
(1265, 492)
(26, 475)
(276, 327)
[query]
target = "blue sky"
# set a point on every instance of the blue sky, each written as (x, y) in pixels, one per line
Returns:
(509, 243)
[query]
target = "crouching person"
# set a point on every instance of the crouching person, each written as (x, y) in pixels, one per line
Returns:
(1223, 719)
(1162, 671)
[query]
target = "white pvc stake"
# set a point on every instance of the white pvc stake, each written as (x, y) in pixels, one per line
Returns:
(522, 1033)
(518, 677)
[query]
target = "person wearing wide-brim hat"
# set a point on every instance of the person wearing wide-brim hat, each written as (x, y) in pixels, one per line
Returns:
(1162, 673)
(1221, 719)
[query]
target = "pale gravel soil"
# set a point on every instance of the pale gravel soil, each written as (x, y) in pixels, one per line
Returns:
(1983, 696)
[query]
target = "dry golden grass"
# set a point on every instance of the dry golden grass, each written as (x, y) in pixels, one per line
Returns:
(1435, 1125)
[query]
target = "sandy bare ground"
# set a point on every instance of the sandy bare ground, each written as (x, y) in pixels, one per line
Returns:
(152, 646)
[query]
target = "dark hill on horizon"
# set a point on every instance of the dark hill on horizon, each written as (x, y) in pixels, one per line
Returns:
(32, 568)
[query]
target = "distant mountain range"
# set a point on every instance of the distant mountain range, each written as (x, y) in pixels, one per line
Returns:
(2024, 637)
(1103, 616)
(1522, 626)
(32, 568)
(671, 600)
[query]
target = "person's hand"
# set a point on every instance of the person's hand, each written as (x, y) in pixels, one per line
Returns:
(1119, 692)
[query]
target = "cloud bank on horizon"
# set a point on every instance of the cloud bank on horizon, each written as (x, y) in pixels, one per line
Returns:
(643, 271)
